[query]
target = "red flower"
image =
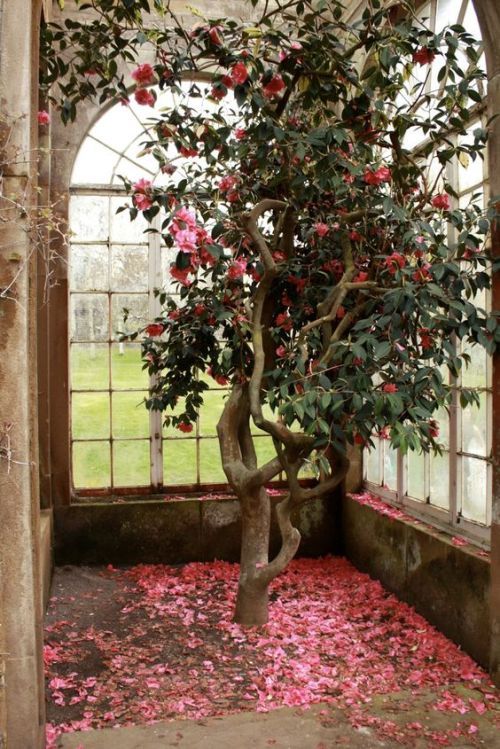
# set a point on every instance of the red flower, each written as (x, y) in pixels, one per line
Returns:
(218, 92)
(384, 433)
(361, 277)
(425, 338)
(143, 75)
(341, 312)
(214, 35)
(188, 152)
(355, 236)
(199, 309)
(422, 274)
(240, 133)
(185, 426)
(274, 86)
(359, 439)
(433, 429)
(394, 261)
(144, 97)
(174, 314)
(154, 329)
(423, 56)
(284, 321)
(237, 269)
(389, 387)
(239, 73)
(43, 117)
(281, 352)
(441, 201)
(181, 274)
(321, 229)
(382, 174)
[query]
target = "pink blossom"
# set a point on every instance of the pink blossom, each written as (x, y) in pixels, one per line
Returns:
(321, 229)
(186, 240)
(239, 73)
(389, 387)
(237, 269)
(43, 117)
(227, 183)
(143, 75)
(215, 36)
(185, 215)
(144, 97)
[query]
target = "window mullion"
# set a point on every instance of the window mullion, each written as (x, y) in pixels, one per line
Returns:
(155, 417)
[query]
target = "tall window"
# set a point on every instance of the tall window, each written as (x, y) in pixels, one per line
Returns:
(453, 489)
(115, 266)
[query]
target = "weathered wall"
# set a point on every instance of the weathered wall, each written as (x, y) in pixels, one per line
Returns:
(176, 531)
(448, 585)
(21, 613)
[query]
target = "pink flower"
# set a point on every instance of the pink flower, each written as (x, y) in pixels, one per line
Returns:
(422, 274)
(389, 387)
(321, 229)
(43, 117)
(142, 194)
(240, 133)
(154, 329)
(274, 86)
(281, 352)
(441, 201)
(185, 426)
(239, 73)
(144, 97)
(186, 216)
(237, 269)
(394, 261)
(143, 75)
(382, 174)
(186, 240)
(423, 56)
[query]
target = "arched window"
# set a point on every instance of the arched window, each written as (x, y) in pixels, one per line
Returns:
(452, 490)
(115, 265)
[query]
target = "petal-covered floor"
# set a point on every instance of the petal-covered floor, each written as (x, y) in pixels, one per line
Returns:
(153, 643)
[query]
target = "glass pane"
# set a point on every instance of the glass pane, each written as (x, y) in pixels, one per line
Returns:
(440, 480)
(416, 475)
(137, 315)
(89, 366)
(210, 462)
(94, 164)
(390, 466)
(117, 125)
(89, 317)
(124, 230)
(126, 367)
(443, 419)
(179, 461)
(474, 489)
(129, 268)
(89, 268)
(210, 413)
(474, 428)
(474, 374)
(372, 462)
(88, 218)
(91, 465)
(469, 172)
(131, 463)
(268, 414)
(130, 416)
(265, 450)
(90, 415)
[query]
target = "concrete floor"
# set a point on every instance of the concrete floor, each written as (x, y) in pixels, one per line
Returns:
(320, 727)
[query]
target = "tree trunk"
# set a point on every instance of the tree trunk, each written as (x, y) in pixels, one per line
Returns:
(252, 598)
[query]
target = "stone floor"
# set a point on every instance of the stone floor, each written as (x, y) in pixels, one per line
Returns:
(319, 727)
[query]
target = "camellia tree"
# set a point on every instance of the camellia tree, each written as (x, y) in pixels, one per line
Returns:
(326, 271)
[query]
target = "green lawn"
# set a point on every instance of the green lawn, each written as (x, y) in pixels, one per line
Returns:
(96, 416)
